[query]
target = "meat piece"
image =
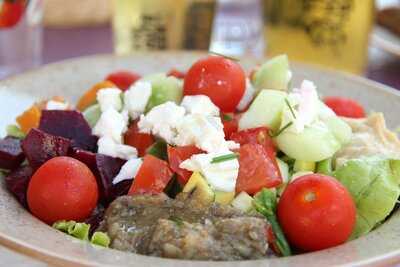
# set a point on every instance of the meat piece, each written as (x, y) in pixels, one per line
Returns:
(39, 147)
(11, 155)
(159, 226)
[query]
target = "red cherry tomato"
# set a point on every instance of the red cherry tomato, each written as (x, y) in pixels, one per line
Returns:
(152, 177)
(316, 212)
(123, 79)
(178, 154)
(221, 79)
(345, 107)
(231, 123)
(63, 188)
(257, 135)
(257, 169)
(141, 141)
(11, 12)
(176, 73)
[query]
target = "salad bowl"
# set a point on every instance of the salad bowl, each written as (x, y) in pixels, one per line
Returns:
(21, 231)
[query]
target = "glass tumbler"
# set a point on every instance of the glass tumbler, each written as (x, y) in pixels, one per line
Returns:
(20, 35)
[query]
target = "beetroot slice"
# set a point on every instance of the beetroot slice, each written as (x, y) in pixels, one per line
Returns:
(107, 168)
(11, 154)
(87, 157)
(69, 124)
(39, 147)
(95, 218)
(17, 183)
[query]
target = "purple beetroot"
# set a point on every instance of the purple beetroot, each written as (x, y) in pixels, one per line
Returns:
(11, 154)
(17, 183)
(69, 124)
(39, 147)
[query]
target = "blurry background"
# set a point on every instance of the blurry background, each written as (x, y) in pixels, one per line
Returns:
(339, 34)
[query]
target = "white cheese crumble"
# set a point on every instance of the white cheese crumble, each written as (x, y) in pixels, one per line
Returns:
(56, 105)
(109, 98)
(305, 105)
(247, 96)
(109, 147)
(128, 170)
(162, 121)
(111, 124)
(200, 104)
(221, 176)
(136, 98)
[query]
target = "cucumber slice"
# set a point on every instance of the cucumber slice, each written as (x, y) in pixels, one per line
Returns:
(163, 89)
(265, 110)
(273, 74)
(314, 144)
(92, 114)
(243, 202)
(340, 129)
(300, 165)
(325, 167)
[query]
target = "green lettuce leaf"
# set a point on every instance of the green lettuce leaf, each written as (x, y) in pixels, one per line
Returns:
(374, 185)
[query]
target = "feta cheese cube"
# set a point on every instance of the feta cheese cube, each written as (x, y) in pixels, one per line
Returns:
(200, 104)
(109, 98)
(111, 124)
(56, 105)
(162, 121)
(221, 176)
(128, 170)
(109, 147)
(136, 98)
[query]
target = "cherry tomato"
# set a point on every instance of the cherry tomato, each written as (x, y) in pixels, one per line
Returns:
(257, 169)
(123, 79)
(316, 212)
(11, 12)
(178, 154)
(141, 141)
(221, 79)
(176, 73)
(63, 188)
(257, 135)
(345, 107)
(152, 177)
(231, 123)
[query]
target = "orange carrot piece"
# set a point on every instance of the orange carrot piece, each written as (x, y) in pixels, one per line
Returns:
(89, 97)
(29, 119)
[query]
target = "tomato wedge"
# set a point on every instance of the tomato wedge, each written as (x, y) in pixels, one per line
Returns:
(231, 123)
(176, 73)
(141, 141)
(345, 107)
(257, 169)
(11, 12)
(258, 135)
(123, 79)
(176, 155)
(152, 177)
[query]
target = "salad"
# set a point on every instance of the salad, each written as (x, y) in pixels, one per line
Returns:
(211, 164)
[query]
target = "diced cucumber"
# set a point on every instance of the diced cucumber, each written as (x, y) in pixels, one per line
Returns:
(199, 188)
(92, 114)
(14, 131)
(265, 110)
(243, 202)
(340, 129)
(224, 198)
(273, 74)
(314, 144)
(300, 165)
(284, 169)
(164, 88)
(325, 167)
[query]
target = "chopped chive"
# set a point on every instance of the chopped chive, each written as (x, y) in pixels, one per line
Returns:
(224, 158)
(281, 130)
(222, 55)
(176, 219)
(226, 117)
(290, 107)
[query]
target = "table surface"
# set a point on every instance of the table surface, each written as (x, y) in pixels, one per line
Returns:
(61, 44)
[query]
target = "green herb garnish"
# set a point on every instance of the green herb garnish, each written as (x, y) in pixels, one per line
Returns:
(281, 130)
(226, 117)
(14, 131)
(222, 55)
(100, 239)
(224, 158)
(290, 108)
